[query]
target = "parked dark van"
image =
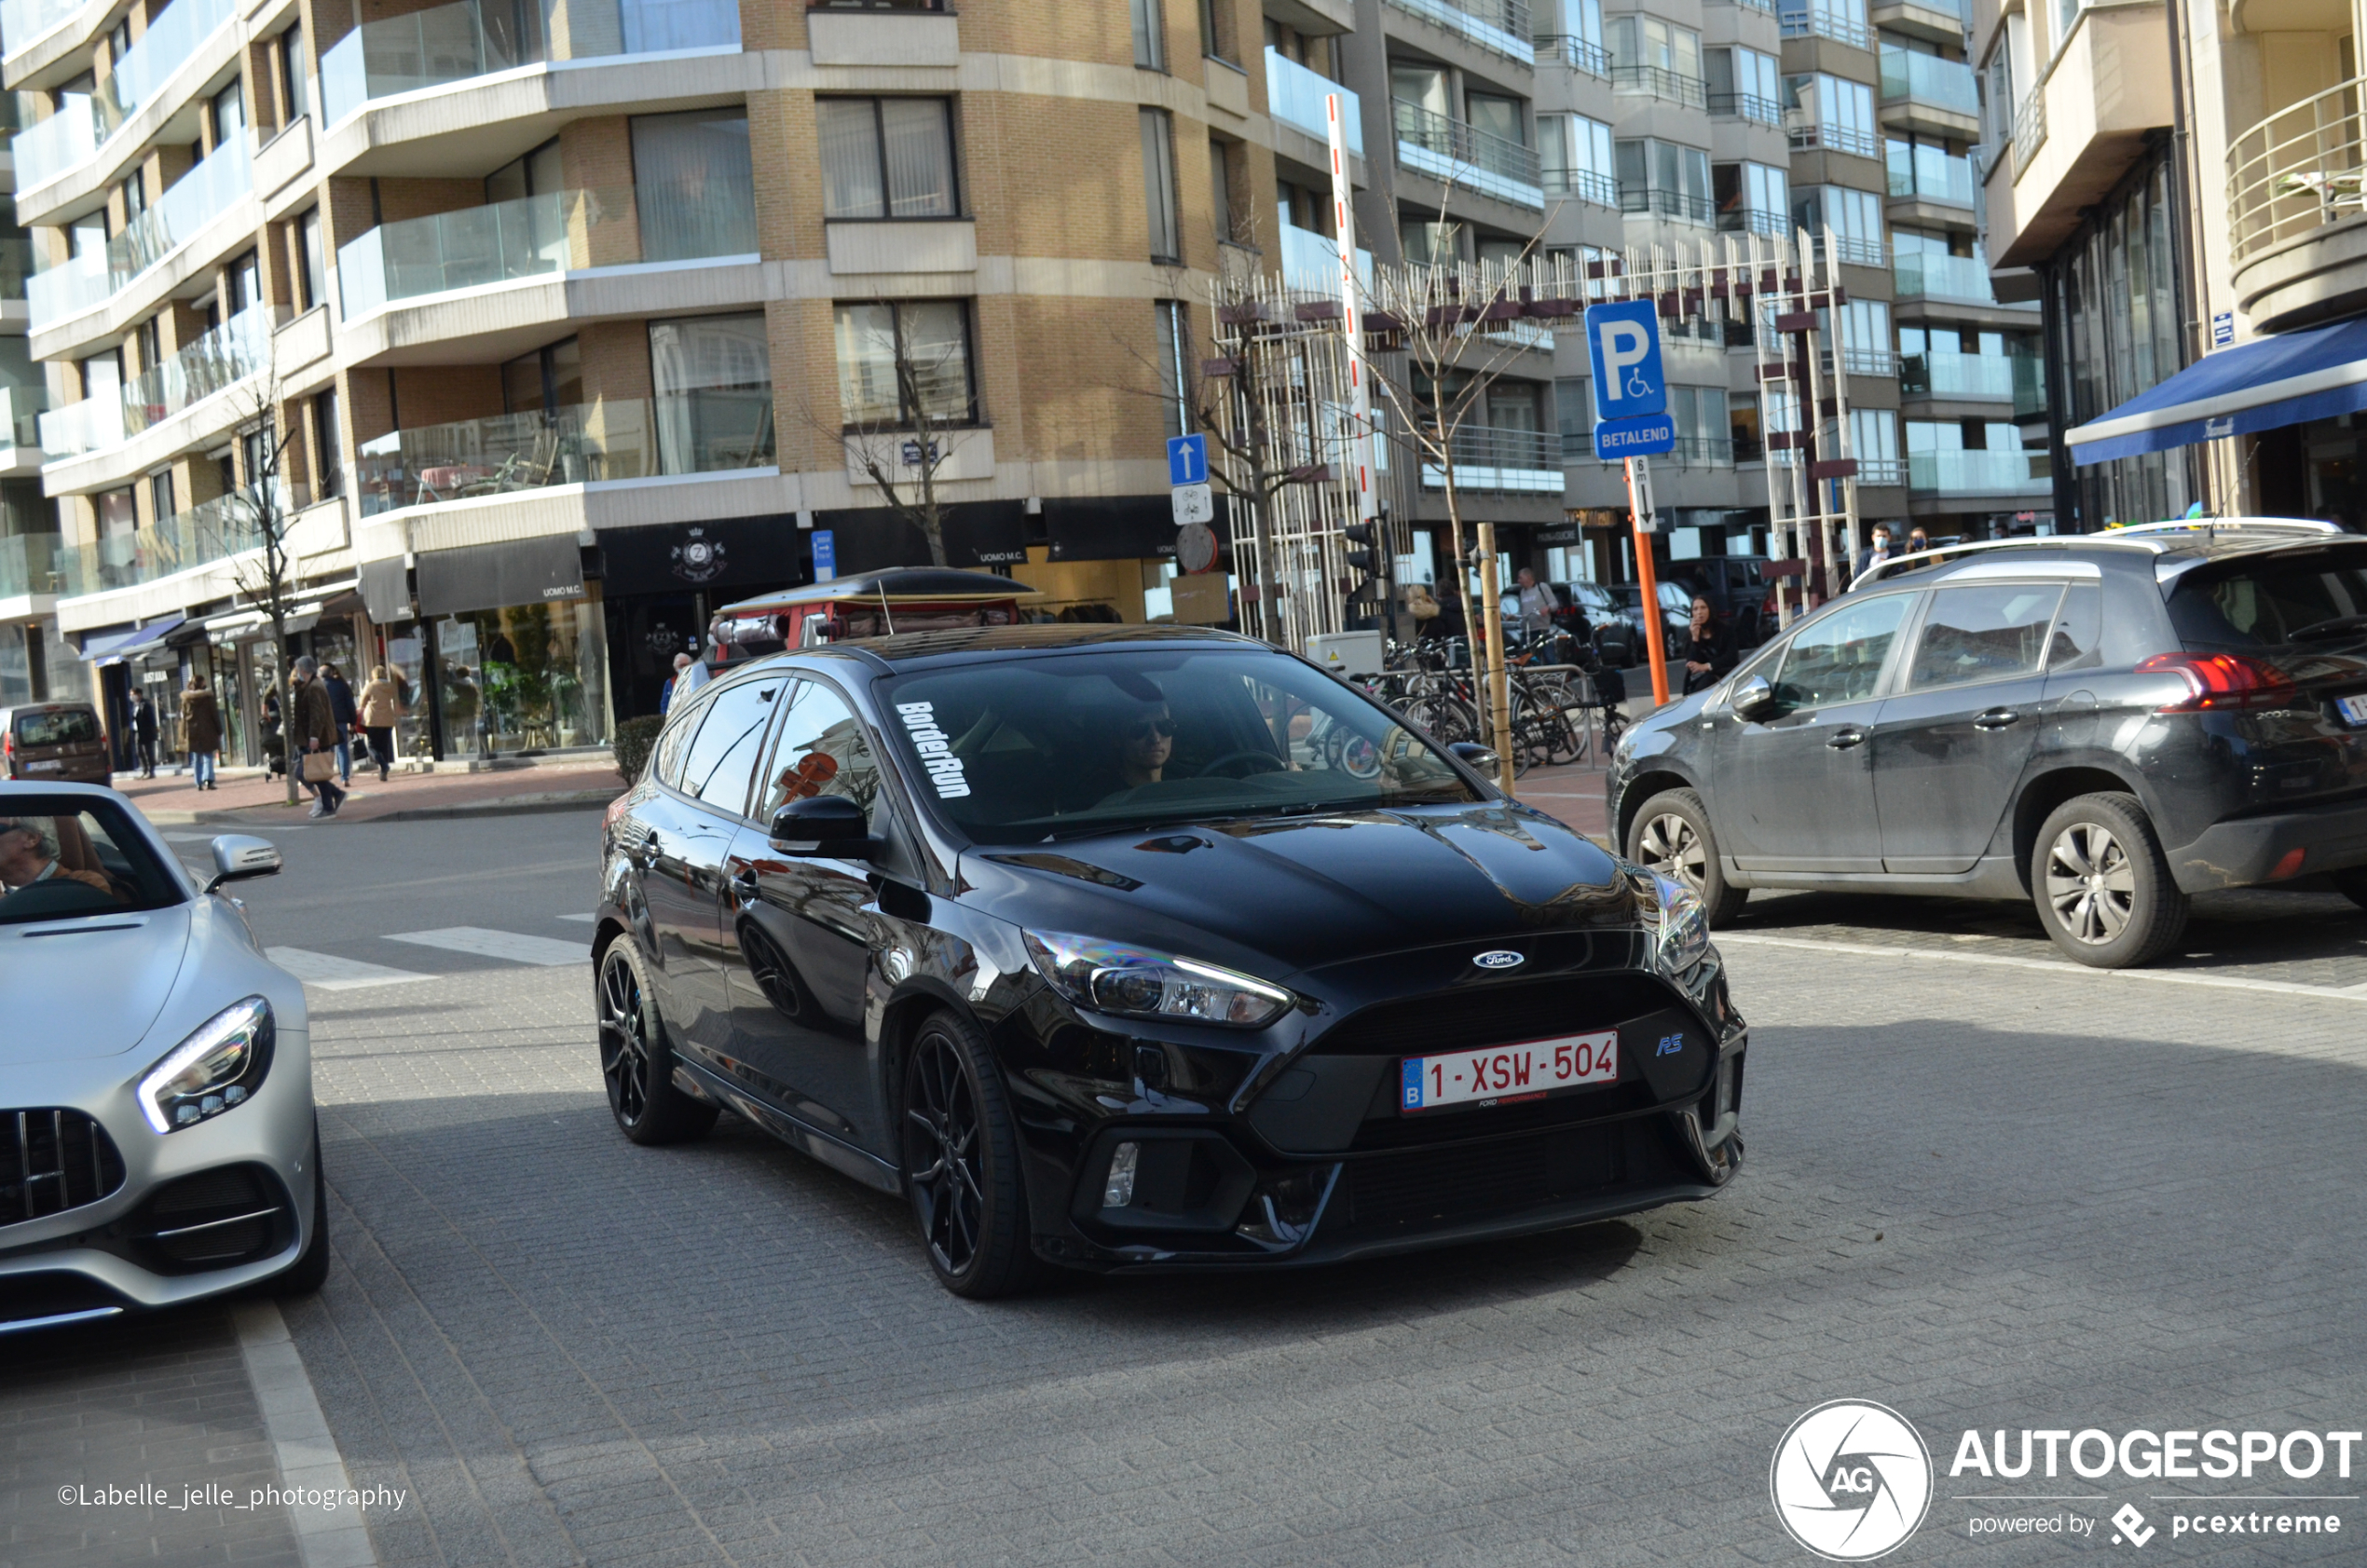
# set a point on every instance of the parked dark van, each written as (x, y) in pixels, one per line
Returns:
(54, 742)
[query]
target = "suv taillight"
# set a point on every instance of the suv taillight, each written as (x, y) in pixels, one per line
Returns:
(2220, 680)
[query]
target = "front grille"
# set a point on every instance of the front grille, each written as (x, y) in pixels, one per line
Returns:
(1469, 1181)
(1493, 1015)
(235, 1215)
(52, 1160)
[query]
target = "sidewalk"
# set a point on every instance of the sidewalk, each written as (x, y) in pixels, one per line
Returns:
(258, 801)
(1573, 793)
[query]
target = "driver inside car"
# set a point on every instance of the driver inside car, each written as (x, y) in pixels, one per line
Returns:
(1145, 740)
(30, 855)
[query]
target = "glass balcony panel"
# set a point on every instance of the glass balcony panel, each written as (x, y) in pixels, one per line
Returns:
(1310, 263)
(714, 430)
(47, 150)
(466, 248)
(20, 410)
(1965, 278)
(1501, 26)
(1926, 78)
(29, 565)
(16, 265)
(89, 426)
(709, 430)
(1929, 174)
(1978, 472)
(222, 357)
(1294, 95)
(200, 196)
(22, 22)
(2030, 383)
(217, 530)
(1945, 374)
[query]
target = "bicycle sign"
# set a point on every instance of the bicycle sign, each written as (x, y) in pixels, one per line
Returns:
(1623, 341)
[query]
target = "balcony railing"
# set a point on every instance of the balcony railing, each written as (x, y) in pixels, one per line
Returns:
(1499, 26)
(1965, 278)
(16, 265)
(1310, 263)
(1865, 361)
(1926, 78)
(2030, 383)
(1503, 461)
(1940, 374)
(23, 22)
(1658, 81)
(84, 121)
(1806, 18)
(1462, 153)
(1702, 452)
(1754, 220)
(1583, 184)
(1745, 106)
(1579, 54)
(1863, 252)
(1662, 202)
(20, 409)
(1764, 7)
(215, 531)
(91, 424)
(1977, 474)
(29, 565)
(1807, 133)
(202, 194)
(708, 431)
(1929, 174)
(2030, 130)
(458, 42)
(49, 148)
(2298, 169)
(1294, 95)
(1881, 471)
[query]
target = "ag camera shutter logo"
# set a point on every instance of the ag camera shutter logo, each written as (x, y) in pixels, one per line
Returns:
(1850, 1480)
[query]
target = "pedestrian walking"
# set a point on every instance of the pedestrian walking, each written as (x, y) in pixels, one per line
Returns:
(341, 703)
(381, 708)
(144, 731)
(1709, 649)
(201, 731)
(692, 678)
(1874, 555)
(666, 694)
(312, 736)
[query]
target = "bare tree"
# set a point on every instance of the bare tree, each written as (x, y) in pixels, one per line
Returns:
(250, 528)
(905, 452)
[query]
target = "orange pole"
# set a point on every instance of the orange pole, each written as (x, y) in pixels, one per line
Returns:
(1655, 634)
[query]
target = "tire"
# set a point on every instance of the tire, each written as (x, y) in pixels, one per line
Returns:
(2352, 884)
(960, 1163)
(1671, 834)
(2102, 886)
(310, 1270)
(636, 1064)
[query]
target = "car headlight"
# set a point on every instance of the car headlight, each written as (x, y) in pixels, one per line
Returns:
(218, 1067)
(1109, 978)
(1679, 925)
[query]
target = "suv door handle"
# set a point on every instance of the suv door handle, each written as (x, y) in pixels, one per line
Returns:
(743, 885)
(1996, 718)
(1847, 738)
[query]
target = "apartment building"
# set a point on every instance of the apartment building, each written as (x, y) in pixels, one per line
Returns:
(553, 327)
(34, 666)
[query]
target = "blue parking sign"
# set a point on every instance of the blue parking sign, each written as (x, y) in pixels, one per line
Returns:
(826, 555)
(1187, 459)
(1624, 342)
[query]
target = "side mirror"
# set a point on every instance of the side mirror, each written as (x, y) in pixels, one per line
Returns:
(236, 858)
(1478, 758)
(831, 824)
(1752, 698)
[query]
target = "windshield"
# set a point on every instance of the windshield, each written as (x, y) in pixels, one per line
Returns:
(2264, 600)
(1025, 749)
(60, 858)
(57, 726)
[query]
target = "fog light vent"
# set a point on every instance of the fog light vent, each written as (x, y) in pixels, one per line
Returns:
(1120, 1189)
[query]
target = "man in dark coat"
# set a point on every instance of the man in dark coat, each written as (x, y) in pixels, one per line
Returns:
(341, 703)
(312, 726)
(201, 731)
(144, 731)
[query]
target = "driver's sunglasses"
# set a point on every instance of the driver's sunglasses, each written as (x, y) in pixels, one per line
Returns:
(1142, 728)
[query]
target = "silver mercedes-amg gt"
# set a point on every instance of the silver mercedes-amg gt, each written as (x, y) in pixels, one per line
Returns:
(157, 1135)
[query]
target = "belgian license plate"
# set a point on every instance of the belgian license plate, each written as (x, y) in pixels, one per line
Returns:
(1503, 1074)
(44, 767)
(2353, 709)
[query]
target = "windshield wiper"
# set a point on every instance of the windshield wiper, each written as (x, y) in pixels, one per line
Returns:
(2332, 628)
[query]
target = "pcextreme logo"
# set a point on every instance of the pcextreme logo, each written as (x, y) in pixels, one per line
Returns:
(1850, 1480)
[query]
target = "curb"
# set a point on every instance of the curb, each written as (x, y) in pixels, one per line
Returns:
(510, 805)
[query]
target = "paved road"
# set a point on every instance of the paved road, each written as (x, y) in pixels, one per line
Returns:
(1985, 1188)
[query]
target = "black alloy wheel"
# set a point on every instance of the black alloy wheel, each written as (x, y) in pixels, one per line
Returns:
(960, 1163)
(636, 1062)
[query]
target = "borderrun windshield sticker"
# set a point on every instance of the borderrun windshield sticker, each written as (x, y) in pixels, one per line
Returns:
(935, 748)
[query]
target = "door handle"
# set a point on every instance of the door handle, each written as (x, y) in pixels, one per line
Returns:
(1846, 739)
(645, 853)
(743, 885)
(1996, 718)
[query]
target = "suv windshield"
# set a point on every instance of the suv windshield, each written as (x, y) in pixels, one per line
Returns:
(1024, 749)
(61, 858)
(2257, 601)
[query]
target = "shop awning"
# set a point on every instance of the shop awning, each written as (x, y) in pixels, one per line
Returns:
(107, 648)
(2261, 386)
(486, 576)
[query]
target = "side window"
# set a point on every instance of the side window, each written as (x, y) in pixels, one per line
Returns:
(675, 743)
(723, 756)
(1840, 657)
(1983, 632)
(2078, 643)
(820, 750)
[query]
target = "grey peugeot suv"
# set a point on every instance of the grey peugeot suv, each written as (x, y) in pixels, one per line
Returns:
(2105, 724)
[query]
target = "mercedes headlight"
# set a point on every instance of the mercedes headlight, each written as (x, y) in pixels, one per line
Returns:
(219, 1066)
(1109, 978)
(1680, 926)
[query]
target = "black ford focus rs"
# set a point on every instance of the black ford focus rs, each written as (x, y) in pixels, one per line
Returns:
(1127, 947)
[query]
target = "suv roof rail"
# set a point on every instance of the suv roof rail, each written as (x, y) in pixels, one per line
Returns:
(2212, 525)
(1897, 564)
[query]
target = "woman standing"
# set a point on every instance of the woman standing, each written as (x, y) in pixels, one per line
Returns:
(381, 707)
(201, 729)
(1709, 652)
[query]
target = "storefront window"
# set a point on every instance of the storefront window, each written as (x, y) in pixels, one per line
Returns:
(2116, 296)
(528, 677)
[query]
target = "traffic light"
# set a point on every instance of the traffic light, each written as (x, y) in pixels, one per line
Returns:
(1368, 558)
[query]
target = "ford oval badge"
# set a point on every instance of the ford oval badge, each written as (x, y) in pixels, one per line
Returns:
(1499, 958)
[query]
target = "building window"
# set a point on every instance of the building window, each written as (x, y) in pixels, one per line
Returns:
(246, 283)
(1220, 171)
(328, 473)
(545, 381)
(713, 380)
(119, 513)
(1744, 83)
(229, 115)
(135, 197)
(1575, 154)
(1828, 112)
(1657, 57)
(1427, 243)
(1665, 179)
(1753, 199)
(1150, 35)
(902, 362)
(160, 495)
(1854, 216)
(312, 277)
(1158, 185)
(1216, 31)
(888, 157)
(1175, 386)
(295, 98)
(694, 182)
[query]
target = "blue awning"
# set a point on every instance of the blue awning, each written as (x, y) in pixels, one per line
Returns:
(2266, 383)
(108, 646)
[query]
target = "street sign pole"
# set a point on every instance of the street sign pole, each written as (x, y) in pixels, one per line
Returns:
(1359, 384)
(1639, 504)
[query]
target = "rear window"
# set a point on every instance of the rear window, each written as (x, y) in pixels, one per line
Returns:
(59, 726)
(65, 857)
(2262, 601)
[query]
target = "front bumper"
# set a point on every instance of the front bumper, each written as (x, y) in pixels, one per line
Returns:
(111, 1255)
(2245, 852)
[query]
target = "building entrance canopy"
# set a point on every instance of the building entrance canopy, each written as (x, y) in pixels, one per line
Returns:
(2286, 379)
